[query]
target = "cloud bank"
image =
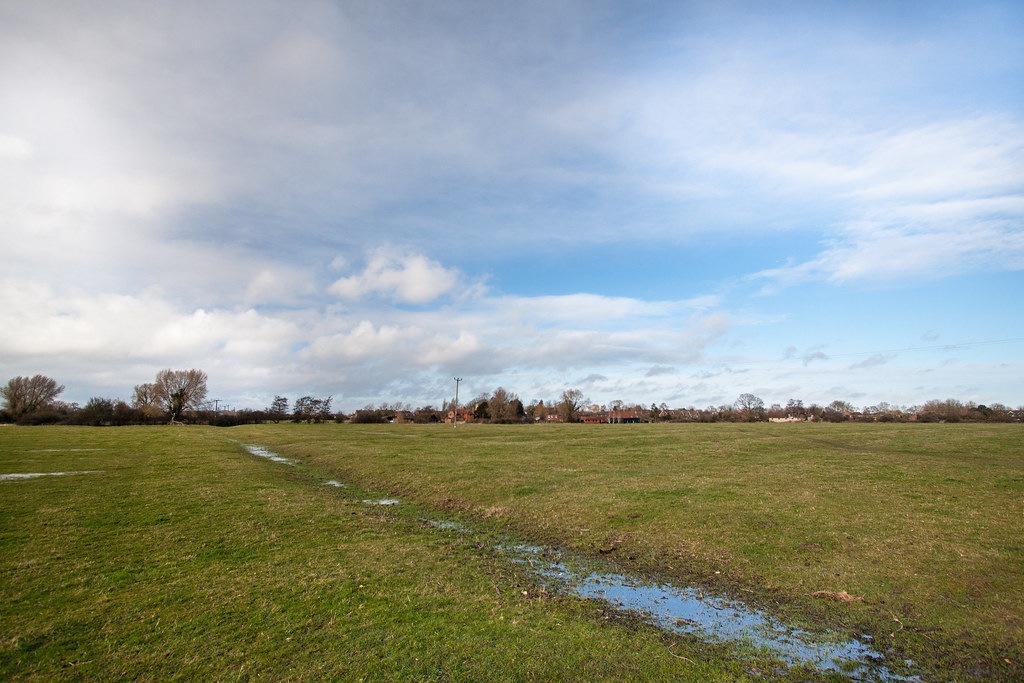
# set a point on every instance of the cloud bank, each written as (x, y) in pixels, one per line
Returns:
(364, 200)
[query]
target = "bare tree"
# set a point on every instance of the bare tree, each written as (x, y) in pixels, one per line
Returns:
(572, 401)
(180, 390)
(24, 395)
(795, 408)
(322, 409)
(144, 396)
(278, 409)
(837, 411)
(505, 406)
(146, 402)
(537, 411)
(303, 410)
(312, 409)
(751, 407)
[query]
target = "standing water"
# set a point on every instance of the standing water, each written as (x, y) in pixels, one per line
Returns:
(683, 609)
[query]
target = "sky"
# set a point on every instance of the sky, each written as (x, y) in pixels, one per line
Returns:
(652, 202)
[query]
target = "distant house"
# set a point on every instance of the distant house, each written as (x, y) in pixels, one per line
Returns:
(464, 415)
(591, 417)
(625, 417)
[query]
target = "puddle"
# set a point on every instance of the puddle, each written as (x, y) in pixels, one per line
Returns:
(33, 475)
(262, 452)
(691, 610)
(448, 526)
(335, 484)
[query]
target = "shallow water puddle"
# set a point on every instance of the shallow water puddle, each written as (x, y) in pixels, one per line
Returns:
(690, 610)
(680, 609)
(262, 452)
(34, 475)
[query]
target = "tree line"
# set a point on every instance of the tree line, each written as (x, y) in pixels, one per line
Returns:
(173, 396)
(179, 396)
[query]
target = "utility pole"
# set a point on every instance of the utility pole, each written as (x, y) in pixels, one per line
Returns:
(455, 419)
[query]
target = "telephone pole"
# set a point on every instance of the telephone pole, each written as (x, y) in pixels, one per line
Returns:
(455, 419)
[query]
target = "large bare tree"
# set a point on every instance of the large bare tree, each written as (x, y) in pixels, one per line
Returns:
(180, 390)
(505, 406)
(752, 407)
(24, 395)
(572, 401)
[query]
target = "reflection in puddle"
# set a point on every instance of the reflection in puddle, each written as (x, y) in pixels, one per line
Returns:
(687, 610)
(691, 610)
(262, 452)
(33, 475)
(680, 609)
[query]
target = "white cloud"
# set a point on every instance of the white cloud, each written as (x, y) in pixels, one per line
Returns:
(401, 276)
(921, 203)
(117, 341)
(42, 322)
(15, 148)
(173, 185)
(365, 342)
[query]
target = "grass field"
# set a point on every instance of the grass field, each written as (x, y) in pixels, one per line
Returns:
(182, 556)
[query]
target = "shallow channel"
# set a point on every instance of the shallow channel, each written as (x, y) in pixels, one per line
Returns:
(680, 609)
(261, 452)
(692, 610)
(34, 475)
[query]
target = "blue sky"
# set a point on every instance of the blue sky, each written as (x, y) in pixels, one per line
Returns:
(651, 202)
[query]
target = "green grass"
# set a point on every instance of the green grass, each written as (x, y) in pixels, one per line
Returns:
(182, 557)
(924, 522)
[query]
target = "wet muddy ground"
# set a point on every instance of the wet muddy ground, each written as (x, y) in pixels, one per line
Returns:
(693, 610)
